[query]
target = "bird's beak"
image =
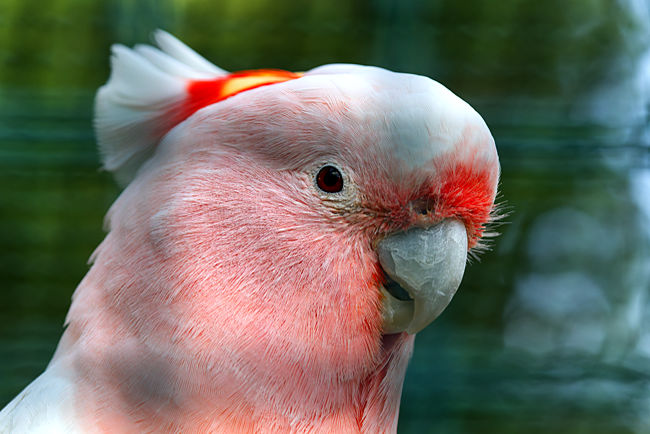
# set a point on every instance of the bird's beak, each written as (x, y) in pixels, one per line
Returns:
(424, 267)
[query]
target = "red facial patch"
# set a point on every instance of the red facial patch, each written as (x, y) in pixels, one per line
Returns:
(467, 194)
(462, 191)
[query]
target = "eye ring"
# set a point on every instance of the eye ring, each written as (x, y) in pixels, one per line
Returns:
(329, 179)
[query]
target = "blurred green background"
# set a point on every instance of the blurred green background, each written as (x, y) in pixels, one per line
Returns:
(550, 331)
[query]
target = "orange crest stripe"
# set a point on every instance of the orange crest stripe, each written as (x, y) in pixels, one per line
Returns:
(202, 93)
(245, 80)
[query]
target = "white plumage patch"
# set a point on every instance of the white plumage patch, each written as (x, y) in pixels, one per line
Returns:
(136, 107)
(43, 407)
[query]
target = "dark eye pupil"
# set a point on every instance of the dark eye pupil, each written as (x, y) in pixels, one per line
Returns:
(329, 179)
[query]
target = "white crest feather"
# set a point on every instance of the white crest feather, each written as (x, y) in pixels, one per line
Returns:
(185, 54)
(134, 109)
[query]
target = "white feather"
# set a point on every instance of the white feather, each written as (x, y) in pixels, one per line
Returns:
(136, 107)
(181, 52)
(43, 407)
(169, 64)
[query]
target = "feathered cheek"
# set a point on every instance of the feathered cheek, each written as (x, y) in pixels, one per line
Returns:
(170, 228)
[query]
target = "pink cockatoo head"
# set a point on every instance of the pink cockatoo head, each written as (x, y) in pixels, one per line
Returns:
(280, 239)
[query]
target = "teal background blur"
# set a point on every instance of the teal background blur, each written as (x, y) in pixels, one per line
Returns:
(550, 331)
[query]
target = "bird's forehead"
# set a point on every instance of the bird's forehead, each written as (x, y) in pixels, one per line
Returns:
(398, 124)
(409, 117)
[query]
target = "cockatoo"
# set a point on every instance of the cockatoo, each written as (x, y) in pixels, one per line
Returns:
(280, 240)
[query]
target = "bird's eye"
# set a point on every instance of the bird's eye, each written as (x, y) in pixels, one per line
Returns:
(329, 179)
